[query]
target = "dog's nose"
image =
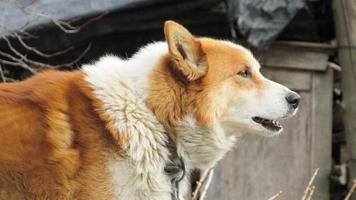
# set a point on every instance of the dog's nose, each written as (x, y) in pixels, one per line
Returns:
(293, 99)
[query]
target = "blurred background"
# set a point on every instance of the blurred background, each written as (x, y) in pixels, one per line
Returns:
(307, 45)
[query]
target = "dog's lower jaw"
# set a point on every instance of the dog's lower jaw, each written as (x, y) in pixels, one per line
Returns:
(202, 147)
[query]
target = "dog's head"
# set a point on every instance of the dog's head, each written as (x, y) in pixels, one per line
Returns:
(224, 84)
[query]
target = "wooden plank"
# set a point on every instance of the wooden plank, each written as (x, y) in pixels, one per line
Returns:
(287, 57)
(259, 167)
(321, 47)
(345, 28)
(321, 129)
(295, 80)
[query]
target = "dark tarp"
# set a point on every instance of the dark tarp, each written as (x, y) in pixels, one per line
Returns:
(18, 14)
(260, 21)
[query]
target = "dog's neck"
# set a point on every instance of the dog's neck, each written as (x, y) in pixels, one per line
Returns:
(199, 146)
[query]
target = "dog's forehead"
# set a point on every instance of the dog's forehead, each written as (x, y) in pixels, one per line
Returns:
(246, 52)
(229, 52)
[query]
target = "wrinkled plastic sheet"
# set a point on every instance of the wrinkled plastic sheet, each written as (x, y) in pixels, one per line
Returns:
(260, 21)
(27, 14)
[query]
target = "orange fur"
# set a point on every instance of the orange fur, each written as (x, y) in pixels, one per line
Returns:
(53, 144)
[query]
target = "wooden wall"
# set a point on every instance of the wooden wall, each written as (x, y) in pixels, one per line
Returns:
(260, 167)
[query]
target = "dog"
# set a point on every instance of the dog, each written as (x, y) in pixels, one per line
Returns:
(135, 128)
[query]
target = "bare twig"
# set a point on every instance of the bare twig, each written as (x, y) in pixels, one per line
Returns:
(40, 53)
(276, 195)
(12, 48)
(65, 26)
(19, 57)
(200, 183)
(28, 4)
(77, 59)
(26, 34)
(353, 187)
(308, 189)
(2, 75)
(91, 20)
(23, 60)
(9, 56)
(311, 192)
(334, 66)
(206, 185)
(30, 64)
(15, 62)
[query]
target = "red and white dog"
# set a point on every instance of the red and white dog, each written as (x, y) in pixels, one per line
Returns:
(102, 132)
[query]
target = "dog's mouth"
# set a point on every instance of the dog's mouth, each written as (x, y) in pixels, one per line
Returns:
(269, 124)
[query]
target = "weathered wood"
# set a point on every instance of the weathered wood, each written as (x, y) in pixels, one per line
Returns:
(324, 47)
(321, 122)
(296, 80)
(345, 25)
(282, 56)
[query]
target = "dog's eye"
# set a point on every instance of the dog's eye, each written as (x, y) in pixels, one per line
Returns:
(245, 74)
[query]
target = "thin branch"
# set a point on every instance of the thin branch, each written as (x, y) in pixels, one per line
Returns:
(65, 26)
(276, 195)
(200, 183)
(77, 59)
(8, 79)
(312, 189)
(28, 4)
(12, 48)
(308, 189)
(2, 75)
(9, 56)
(206, 185)
(27, 34)
(353, 187)
(91, 20)
(15, 62)
(6, 62)
(334, 66)
(40, 53)
(23, 60)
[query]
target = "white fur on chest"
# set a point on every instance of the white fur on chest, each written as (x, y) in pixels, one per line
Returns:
(121, 87)
(202, 147)
(129, 184)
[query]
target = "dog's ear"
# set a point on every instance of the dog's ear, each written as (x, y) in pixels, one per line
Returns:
(186, 51)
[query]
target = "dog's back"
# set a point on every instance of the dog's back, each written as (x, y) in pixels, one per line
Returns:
(47, 132)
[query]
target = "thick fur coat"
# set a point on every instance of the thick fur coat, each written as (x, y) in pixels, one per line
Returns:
(102, 132)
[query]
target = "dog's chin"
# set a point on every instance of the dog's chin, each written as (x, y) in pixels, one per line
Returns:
(249, 126)
(269, 127)
(267, 133)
